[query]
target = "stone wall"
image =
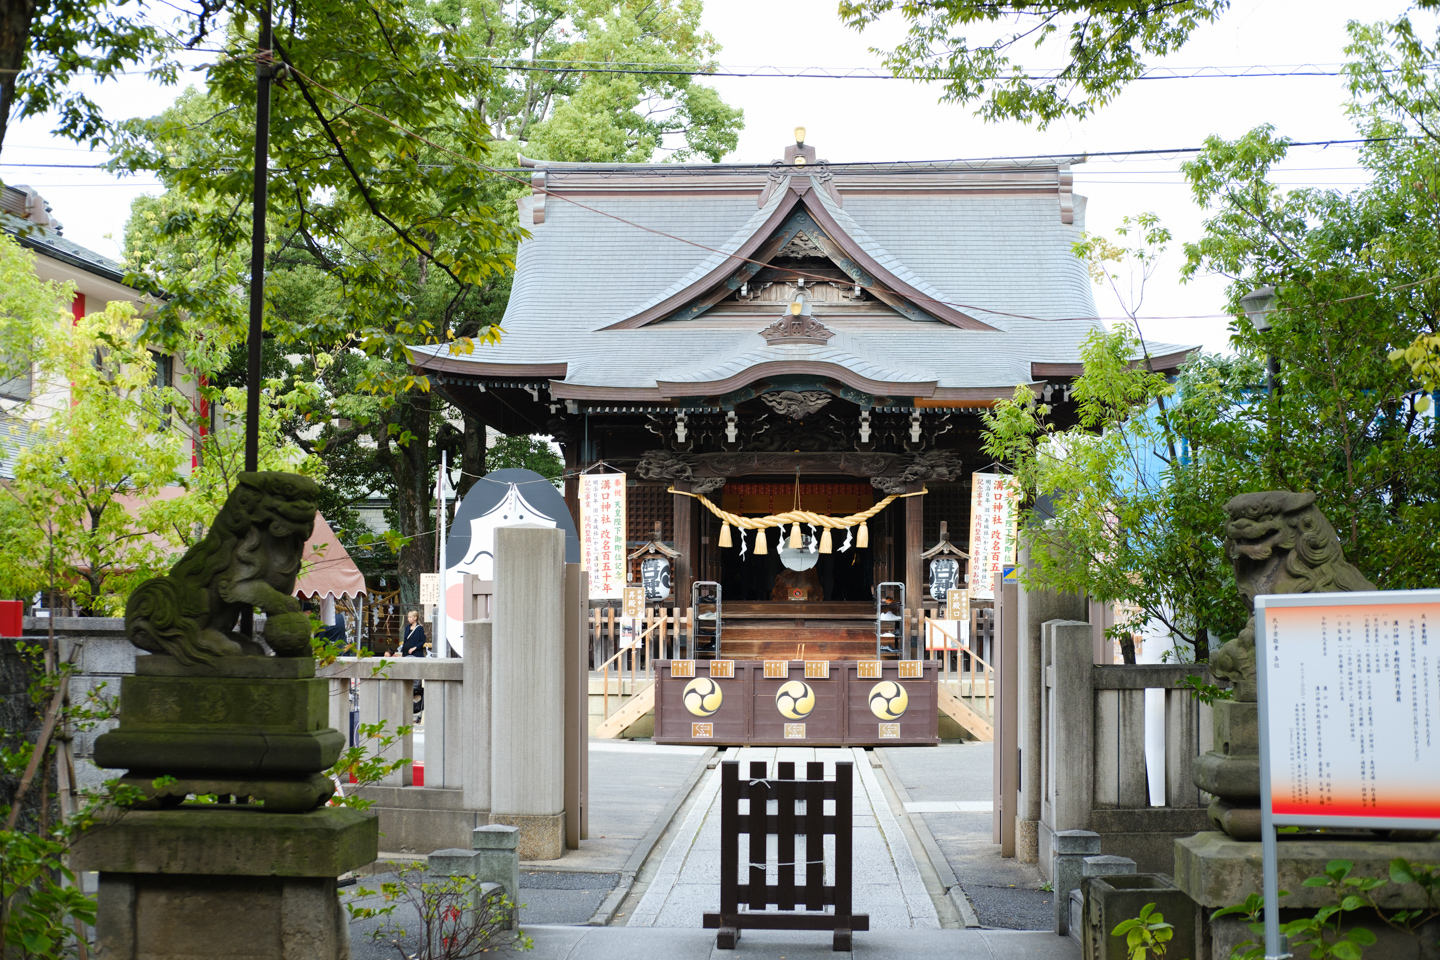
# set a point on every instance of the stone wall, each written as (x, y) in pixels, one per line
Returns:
(20, 720)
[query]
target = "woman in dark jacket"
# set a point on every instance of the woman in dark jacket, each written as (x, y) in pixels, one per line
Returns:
(412, 644)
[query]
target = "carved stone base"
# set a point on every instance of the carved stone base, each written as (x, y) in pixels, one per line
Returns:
(1241, 823)
(1231, 771)
(253, 727)
(285, 796)
(224, 882)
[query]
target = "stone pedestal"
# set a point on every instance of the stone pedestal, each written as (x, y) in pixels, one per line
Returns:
(254, 727)
(1230, 772)
(222, 882)
(1215, 870)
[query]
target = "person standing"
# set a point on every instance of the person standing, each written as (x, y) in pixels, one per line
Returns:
(413, 644)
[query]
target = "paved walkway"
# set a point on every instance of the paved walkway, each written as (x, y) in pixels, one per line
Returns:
(888, 885)
(630, 943)
(948, 790)
(635, 790)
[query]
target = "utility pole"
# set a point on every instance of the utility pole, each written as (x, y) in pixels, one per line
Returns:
(264, 72)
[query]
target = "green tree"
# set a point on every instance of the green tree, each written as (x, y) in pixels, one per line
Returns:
(528, 453)
(352, 195)
(89, 450)
(975, 48)
(45, 45)
(556, 109)
(1121, 519)
(1355, 273)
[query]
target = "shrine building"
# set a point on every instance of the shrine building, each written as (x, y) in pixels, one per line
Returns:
(804, 333)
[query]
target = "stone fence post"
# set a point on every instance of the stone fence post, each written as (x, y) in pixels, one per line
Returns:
(527, 711)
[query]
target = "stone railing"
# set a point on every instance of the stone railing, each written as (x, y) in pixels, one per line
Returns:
(1093, 760)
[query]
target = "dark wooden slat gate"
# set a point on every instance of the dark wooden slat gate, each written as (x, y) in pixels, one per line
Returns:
(813, 824)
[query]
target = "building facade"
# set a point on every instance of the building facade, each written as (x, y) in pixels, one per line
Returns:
(803, 333)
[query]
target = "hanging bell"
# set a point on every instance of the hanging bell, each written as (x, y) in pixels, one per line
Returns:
(762, 542)
(724, 536)
(795, 540)
(825, 541)
(862, 539)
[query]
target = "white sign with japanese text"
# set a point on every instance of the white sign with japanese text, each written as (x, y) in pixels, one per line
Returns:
(602, 533)
(1349, 687)
(994, 512)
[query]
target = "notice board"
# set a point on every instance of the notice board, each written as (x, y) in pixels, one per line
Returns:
(1350, 708)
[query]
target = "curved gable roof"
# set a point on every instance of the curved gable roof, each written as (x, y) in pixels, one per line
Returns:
(762, 237)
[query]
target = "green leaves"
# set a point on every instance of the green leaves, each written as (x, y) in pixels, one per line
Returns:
(1354, 330)
(1103, 45)
(1129, 524)
(1146, 935)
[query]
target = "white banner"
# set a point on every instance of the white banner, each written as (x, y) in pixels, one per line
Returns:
(994, 506)
(602, 533)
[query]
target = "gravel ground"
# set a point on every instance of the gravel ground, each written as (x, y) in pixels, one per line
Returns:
(1005, 893)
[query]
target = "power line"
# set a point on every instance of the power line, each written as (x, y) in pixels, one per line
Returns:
(890, 166)
(1241, 72)
(619, 67)
(731, 255)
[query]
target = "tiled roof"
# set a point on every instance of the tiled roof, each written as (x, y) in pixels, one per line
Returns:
(990, 242)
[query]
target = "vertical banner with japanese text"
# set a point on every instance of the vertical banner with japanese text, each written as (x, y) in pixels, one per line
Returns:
(602, 533)
(994, 509)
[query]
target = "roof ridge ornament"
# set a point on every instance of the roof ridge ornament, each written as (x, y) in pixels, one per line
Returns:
(797, 326)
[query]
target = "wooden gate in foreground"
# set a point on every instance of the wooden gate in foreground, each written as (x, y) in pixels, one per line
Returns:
(802, 905)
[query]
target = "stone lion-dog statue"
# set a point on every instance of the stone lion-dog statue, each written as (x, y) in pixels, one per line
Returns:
(1277, 542)
(249, 559)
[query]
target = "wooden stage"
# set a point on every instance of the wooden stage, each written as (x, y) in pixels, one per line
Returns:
(798, 630)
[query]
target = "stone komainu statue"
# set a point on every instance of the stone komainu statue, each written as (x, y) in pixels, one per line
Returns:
(249, 559)
(1277, 542)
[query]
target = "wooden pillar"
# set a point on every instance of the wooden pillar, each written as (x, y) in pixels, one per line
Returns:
(687, 542)
(914, 546)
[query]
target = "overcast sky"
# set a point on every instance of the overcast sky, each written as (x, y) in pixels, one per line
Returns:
(850, 119)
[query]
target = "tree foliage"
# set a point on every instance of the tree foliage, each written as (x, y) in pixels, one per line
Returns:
(1103, 43)
(45, 45)
(975, 48)
(1111, 513)
(1356, 280)
(379, 240)
(552, 111)
(88, 451)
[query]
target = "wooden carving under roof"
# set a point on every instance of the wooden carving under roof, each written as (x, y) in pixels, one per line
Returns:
(797, 328)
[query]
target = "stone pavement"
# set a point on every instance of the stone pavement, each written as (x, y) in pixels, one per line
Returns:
(635, 789)
(948, 790)
(888, 884)
(629, 943)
